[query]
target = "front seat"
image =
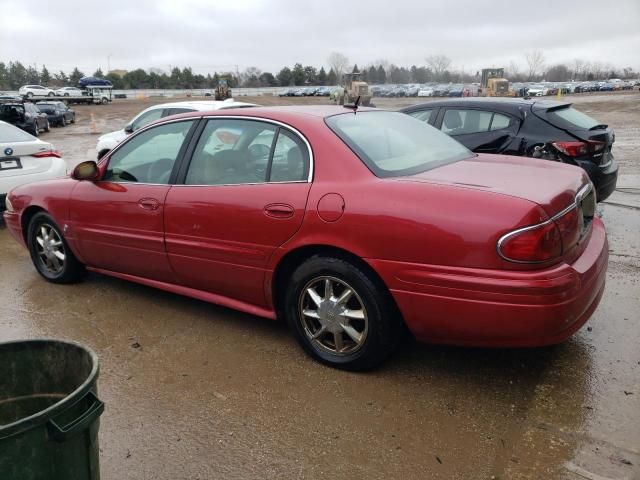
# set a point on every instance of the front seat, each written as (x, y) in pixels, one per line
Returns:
(452, 121)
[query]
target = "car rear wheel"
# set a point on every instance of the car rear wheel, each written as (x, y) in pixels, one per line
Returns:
(50, 94)
(73, 118)
(340, 315)
(47, 127)
(50, 253)
(29, 94)
(63, 122)
(36, 130)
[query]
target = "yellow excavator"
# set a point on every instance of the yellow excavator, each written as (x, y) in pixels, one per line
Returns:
(494, 84)
(352, 89)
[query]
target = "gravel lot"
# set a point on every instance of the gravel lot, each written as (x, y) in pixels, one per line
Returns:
(196, 391)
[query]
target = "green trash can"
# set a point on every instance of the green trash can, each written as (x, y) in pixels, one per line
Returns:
(49, 411)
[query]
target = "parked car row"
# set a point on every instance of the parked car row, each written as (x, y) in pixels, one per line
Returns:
(519, 89)
(307, 92)
(38, 117)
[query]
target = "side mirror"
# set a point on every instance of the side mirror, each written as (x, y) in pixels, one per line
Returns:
(128, 129)
(86, 171)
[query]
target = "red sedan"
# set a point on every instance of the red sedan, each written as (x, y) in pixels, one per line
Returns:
(351, 226)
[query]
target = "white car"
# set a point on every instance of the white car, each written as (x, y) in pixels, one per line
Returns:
(35, 91)
(109, 140)
(68, 92)
(25, 159)
(537, 91)
(425, 92)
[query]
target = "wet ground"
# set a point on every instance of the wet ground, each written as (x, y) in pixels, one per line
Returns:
(196, 391)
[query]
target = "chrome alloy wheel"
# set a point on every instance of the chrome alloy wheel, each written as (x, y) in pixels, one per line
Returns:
(333, 315)
(50, 249)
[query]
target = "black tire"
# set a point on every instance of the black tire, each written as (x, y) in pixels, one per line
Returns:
(71, 269)
(47, 127)
(73, 118)
(50, 94)
(66, 94)
(381, 328)
(36, 131)
(29, 94)
(63, 122)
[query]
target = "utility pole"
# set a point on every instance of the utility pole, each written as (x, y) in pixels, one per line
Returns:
(109, 62)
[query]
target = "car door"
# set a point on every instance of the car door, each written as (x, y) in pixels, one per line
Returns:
(118, 221)
(482, 131)
(243, 195)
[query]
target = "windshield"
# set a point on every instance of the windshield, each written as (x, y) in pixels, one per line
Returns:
(394, 144)
(571, 117)
(9, 133)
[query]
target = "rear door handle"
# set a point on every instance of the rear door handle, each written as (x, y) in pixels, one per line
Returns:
(279, 210)
(149, 203)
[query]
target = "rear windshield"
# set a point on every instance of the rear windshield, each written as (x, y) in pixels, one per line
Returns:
(9, 133)
(394, 144)
(46, 108)
(571, 118)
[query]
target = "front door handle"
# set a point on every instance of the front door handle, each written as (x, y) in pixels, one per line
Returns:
(279, 210)
(149, 203)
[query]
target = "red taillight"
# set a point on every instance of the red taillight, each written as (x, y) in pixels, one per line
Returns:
(576, 149)
(570, 226)
(536, 244)
(48, 153)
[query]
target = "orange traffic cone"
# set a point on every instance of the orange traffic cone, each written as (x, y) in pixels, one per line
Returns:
(94, 127)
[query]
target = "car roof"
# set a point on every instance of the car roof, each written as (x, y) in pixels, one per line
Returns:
(281, 112)
(203, 105)
(508, 105)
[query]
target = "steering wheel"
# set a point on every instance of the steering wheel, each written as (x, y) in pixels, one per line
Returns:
(160, 170)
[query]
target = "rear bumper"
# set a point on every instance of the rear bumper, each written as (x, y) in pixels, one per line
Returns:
(499, 308)
(604, 179)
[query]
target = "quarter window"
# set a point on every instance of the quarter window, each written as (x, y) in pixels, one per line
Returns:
(148, 157)
(423, 115)
(500, 121)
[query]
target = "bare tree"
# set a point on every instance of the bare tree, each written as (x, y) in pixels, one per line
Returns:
(535, 61)
(438, 64)
(513, 71)
(578, 68)
(338, 62)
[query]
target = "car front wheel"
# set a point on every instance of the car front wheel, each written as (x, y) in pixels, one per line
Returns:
(50, 253)
(36, 130)
(341, 315)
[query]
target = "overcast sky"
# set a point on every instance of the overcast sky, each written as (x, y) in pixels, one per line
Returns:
(211, 35)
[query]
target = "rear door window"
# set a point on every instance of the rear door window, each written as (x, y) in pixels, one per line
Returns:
(461, 122)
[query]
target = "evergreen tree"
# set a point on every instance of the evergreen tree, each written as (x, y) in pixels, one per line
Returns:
(4, 76)
(285, 77)
(32, 75)
(310, 75)
(372, 75)
(332, 78)
(382, 74)
(322, 77)
(98, 73)
(45, 78)
(75, 76)
(17, 75)
(298, 74)
(355, 69)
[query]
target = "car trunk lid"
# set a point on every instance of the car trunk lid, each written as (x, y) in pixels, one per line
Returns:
(551, 185)
(22, 160)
